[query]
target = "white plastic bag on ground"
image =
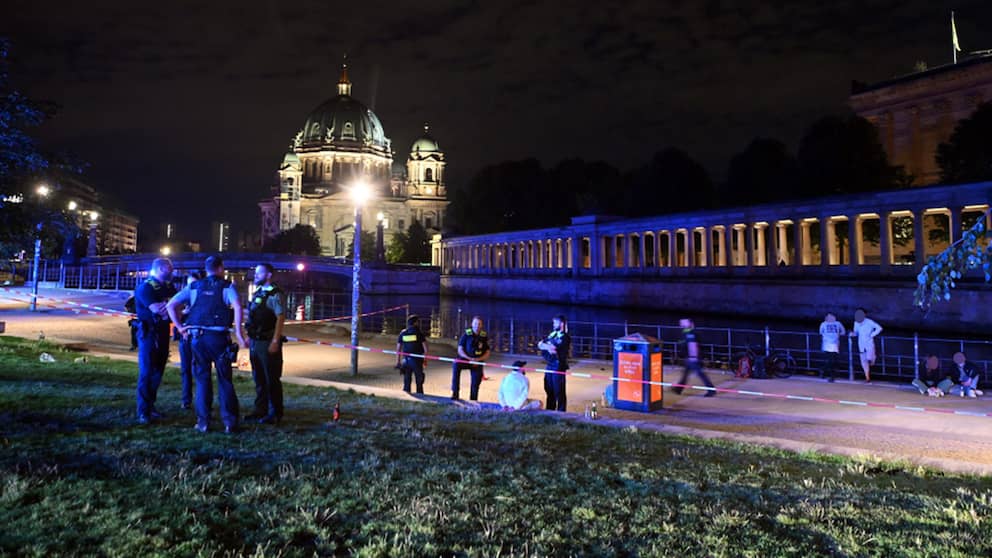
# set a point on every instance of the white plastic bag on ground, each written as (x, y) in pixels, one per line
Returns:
(45, 357)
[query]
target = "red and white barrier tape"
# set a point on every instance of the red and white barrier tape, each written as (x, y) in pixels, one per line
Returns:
(348, 317)
(589, 376)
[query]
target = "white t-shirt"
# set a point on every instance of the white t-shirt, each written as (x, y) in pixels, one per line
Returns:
(866, 332)
(513, 390)
(831, 332)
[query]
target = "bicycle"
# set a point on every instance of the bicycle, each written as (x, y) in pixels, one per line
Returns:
(752, 364)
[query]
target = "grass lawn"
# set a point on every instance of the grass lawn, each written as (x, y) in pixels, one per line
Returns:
(77, 476)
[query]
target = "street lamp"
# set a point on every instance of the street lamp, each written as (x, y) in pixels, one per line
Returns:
(165, 251)
(42, 192)
(360, 193)
(91, 247)
(380, 243)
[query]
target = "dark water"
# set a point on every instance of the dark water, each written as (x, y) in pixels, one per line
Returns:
(516, 326)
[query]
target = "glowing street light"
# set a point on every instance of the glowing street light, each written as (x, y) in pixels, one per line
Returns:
(165, 251)
(300, 266)
(380, 243)
(360, 194)
(73, 206)
(43, 190)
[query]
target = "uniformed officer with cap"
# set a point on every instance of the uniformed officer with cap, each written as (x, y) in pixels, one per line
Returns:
(214, 305)
(555, 348)
(266, 316)
(150, 299)
(473, 345)
(411, 342)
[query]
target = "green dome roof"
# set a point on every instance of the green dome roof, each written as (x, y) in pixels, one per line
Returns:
(426, 143)
(343, 120)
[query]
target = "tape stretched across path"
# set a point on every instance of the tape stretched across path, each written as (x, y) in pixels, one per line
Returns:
(81, 308)
(586, 375)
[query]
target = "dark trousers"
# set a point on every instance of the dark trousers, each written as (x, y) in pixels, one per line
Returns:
(456, 376)
(830, 364)
(186, 368)
(694, 367)
(211, 348)
(413, 368)
(554, 386)
(134, 335)
(266, 370)
(153, 353)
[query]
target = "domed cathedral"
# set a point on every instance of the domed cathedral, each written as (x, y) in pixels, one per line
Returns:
(341, 143)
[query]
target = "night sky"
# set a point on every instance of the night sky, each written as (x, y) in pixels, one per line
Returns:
(184, 109)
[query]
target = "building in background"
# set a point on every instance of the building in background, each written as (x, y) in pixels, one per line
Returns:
(220, 236)
(108, 229)
(917, 112)
(343, 142)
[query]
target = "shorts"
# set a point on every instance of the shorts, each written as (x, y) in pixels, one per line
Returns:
(868, 356)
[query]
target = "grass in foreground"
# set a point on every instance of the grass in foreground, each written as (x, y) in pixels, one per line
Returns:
(394, 478)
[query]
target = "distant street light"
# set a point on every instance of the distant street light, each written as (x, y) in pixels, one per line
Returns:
(43, 190)
(165, 251)
(380, 242)
(73, 206)
(300, 266)
(360, 194)
(91, 247)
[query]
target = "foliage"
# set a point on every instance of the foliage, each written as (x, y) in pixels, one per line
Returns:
(368, 247)
(672, 181)
(842, 154)
(412, 246)
(967, 155)
(765, 171)
(941, 273)
(301, 240)
(19, 153)
(399, 478)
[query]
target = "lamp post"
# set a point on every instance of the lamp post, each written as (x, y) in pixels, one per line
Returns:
(360, 193)
(42, 192)
(91, 247)
(380, 245)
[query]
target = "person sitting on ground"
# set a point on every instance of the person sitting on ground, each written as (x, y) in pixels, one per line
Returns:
(932, 380)
(967, 376)
(515, 388)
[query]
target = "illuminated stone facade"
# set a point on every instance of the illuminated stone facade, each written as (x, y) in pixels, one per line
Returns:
(343, 142)
(917, 112)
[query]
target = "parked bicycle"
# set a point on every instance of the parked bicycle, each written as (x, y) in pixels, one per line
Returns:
(753, 364)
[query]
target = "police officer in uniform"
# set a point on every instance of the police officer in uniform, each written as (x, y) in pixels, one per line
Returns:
(411, 342)
(185, 343)
(554, 349)
(266, 316)
(473, 345)
(150, 298)
(214, 304)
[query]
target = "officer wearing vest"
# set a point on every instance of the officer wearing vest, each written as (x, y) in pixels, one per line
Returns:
(554, 349)
(411, 342)
(185, 343)
(473, 345)
(150, 298)
(214, 304)
(266, 315)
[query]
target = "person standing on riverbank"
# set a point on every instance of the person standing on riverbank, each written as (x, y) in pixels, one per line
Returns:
(830, 331)
(555, 348)
(865, 329)
(472, 346)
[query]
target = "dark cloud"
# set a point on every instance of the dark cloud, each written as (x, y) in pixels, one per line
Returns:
(191, 104)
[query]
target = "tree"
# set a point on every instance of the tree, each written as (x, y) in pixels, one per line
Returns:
(19, 153)
(967, 155)
(841, 155)
(507, 196)
(763, 172)
(672, 181)
(939, 275)
(418, 247)
(368, 247)
(300, 240)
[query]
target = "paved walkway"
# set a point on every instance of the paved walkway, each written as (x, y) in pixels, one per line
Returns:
(952, 442)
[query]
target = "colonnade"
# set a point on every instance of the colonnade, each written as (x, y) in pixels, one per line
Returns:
(779, 238)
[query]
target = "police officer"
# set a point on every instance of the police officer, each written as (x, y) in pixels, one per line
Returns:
(266, 316)
(411, 342)
(185, 343)
(693, 363)
(150, 298)
(555, 348)
(473, 345)
(214, 304)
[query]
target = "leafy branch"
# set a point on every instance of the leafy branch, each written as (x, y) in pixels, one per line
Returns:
(939, 275)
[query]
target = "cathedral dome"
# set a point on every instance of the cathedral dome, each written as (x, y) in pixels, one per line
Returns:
(343, 122)
(426, 143)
